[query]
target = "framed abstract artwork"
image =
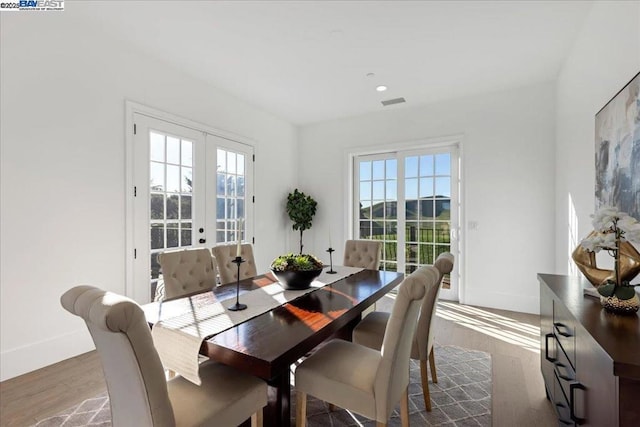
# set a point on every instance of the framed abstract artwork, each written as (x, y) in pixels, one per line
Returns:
(618, 150)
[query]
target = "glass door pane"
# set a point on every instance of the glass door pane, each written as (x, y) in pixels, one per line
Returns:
(378, 207)
(428, 208)
(170, 197)
(233, 201)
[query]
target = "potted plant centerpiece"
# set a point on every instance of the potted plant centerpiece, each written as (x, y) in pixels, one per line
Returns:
(298, 271)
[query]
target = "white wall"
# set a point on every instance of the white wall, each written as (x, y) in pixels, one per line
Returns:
(64, 86)
(508, 169)
(604, 58)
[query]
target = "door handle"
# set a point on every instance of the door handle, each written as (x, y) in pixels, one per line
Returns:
(546, 347)
(202, 240)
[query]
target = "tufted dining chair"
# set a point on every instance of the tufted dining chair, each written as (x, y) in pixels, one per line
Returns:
(362, 253)
(371, 330)
(367, 381)
(224, 254)
(187, 271)
(139, 395)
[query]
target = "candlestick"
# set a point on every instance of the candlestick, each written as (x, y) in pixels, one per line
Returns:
(239, 236)
(331, 251)
(237, 306)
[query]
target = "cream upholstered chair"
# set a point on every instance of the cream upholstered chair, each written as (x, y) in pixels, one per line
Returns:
(224, 254)
(138, 392)
(362, 253)
(366, 381)
(370, 331)
(187, 271)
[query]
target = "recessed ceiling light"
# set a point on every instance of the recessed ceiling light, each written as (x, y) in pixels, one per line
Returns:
(381, 88)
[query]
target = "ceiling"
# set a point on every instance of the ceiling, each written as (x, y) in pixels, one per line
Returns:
(308, 61)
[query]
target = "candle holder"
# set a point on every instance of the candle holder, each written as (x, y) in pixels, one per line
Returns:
(331, 251)
(237, 306)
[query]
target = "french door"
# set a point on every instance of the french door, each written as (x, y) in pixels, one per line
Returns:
(190, 190)
(409, 201)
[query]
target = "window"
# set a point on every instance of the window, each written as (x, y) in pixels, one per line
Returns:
(408, 200)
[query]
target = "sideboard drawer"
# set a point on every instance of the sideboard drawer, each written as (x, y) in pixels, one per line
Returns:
(564, 329)
(562, 404)
(564, 371)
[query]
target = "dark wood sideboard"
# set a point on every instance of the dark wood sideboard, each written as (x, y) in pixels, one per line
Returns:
(590, 359)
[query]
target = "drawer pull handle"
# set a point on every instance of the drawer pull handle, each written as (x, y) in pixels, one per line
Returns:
(559, 407)
(572, 388)
(546, 347)
(564, 368)
(566, 332)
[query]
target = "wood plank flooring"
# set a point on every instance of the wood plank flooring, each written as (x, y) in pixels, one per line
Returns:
(511, 338)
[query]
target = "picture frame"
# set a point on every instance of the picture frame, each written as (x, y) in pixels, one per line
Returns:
(617, 150)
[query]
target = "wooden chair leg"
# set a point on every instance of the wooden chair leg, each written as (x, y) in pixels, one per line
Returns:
(424, 375)
(256, 419)
(404, 408)
(432, 365)
(301, 409)
(332, 407)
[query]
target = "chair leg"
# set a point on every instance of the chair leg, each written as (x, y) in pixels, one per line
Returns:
(332, 407)
(256, 419)
(424, 375)
(301, 409)
(432, 365)
(404, 408)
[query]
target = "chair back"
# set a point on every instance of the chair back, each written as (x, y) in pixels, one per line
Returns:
(392, 377)
(132, 369)
(224, 254)
(187, 271)
(423, 341)
(362, 253)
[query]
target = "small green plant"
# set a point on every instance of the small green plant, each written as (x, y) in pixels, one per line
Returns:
(301, 209)
(292, 262)
(623, 291)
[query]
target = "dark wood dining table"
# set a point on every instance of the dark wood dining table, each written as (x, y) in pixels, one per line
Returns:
(267, 345)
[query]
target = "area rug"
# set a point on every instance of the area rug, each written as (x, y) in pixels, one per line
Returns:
(462, 397)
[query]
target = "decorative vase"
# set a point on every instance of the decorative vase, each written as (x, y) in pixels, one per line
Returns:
(620, 306)
(629, 264)
(296, 280)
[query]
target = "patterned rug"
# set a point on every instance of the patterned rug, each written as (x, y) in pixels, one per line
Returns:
(462, 397)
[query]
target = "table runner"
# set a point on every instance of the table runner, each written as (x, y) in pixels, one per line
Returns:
(178, 339)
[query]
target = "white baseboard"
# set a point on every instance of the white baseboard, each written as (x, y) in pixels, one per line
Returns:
(503, 301)
(21, 360)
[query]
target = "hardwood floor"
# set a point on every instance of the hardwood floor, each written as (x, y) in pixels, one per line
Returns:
(511, 338)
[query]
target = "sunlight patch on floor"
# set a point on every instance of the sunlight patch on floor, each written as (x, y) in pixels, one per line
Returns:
(494, 325)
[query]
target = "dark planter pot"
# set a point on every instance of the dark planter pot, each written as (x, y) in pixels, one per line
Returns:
(297, 279)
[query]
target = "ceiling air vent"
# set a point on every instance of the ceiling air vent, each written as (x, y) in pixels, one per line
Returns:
(393, 101)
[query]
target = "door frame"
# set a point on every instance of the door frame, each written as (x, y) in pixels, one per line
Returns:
(455, 140)
(132, 108)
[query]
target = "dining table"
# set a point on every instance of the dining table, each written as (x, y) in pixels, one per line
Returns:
(268, 344)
